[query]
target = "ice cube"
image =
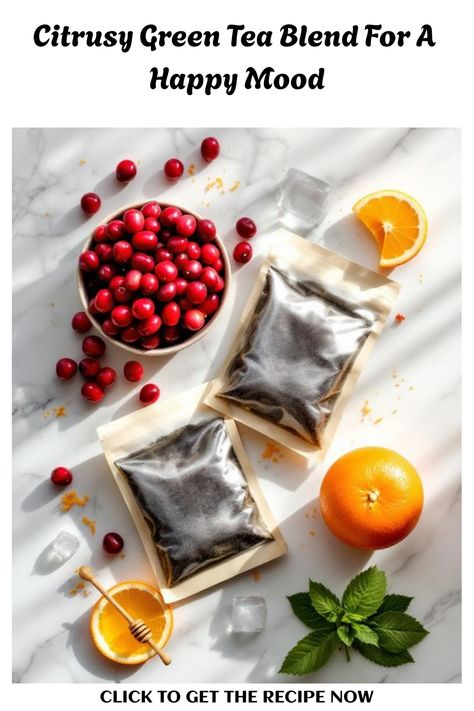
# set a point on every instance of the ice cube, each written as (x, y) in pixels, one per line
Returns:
(303, 200)
(56, 553)
(248, 614)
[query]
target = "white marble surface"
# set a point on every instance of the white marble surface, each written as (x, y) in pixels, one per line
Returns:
(52, 169)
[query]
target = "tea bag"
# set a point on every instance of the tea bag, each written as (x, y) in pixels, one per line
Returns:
(195, 498)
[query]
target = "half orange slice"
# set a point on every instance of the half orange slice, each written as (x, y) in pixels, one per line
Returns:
(110, 631)
(397, 222)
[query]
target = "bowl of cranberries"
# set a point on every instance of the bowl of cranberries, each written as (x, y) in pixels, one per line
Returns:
(153, 277)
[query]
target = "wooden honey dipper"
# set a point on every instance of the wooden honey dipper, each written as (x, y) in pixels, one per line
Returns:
(138, 628)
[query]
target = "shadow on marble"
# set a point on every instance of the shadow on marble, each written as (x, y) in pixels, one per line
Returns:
(41, 495)
(70, 221)
(108, 187)
(350, 238)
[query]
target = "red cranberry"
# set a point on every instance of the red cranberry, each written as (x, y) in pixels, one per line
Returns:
(166, 292)
(246, 228)
(89, 261)
(196, 292)
(150, 343)
(130, 334)
(186, 225)
(166, 271)
(181, 285)
(142, 308)
(184, 304)
(181, 259)
(104, 252)
(133, 221)
(152, 225)
(206, 230)
(209, 277)
(122, 251)
(112, 543)
(116, 281)
(106, 272)
(163, 255)
(210, 305)
(145, 241)
(220, 284)
(89, 367)
(133, 279)
(92, 309)
(121, 316)
(66, 368)
(218, 264)
(122, 295)
(93, 346)
(170, 216)
(143, 262)
(106, 377)
(90, 203)
(192, 269)
(165, 234)
(149, 394)
(148, 284)
(61, 476)
(115, 230)
(81, 322)
(126, 170)
(193, 319)
(133, 371)
(92, 391)
(210, 149)
(173, 169)
(243, 252)
(150, 325)
(171, 313)
(109, 327)
(104, 301)
(177, 244)
(151, 209)
(170, 335)
(193, 250)
(100, 233)
(209, 254)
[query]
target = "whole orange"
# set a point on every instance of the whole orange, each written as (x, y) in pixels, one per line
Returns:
(371, 498)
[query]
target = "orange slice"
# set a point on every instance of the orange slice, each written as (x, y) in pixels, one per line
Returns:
(397, 222)
(110, 631)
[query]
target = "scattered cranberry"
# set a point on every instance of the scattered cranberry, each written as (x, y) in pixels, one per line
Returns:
(206, 230)
(143, 262)
(166, 271)
(196, 292)
(192, 269)
(150, 325)
(149, 343)
(110, 328)
(100, 233)
(66, 368)
(104, 301)
(133, 371)
(243, 252)
(210, 305)
(171, 314)
(186, 225)
(126, 170)
(143, 308)
(81, 322)
(173, 169)
(130, 334)
(149, 394)
(106, 272)
(133, 221)
(145, 241)
(121, 315)
(194, 319)
(148, 284)
(90, 203)
(61, 476)
(246, 228)
(92, 391)
(167, 292)
(210, 149)
(89, 367)
(151, 209)
(209, 254)
(89, 261)
(170, 216)
(106, 377)
(93, 346)
(112, 543)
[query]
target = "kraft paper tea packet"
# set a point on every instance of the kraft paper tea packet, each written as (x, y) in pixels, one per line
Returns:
(305, 334)
(192, 493)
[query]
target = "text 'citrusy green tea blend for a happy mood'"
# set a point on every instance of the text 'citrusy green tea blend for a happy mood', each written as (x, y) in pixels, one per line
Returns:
(308, 327)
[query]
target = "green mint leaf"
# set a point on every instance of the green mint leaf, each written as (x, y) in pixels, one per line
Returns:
(345, 634)
(311, 652)
(324, 601)
(381, 656)
(351, 617)
(364, 634)
(397, 631)
(365, 593)
(399, 603)
(304, 611)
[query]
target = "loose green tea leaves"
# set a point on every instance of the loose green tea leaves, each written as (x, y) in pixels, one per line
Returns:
(296, 354)
(358, 622)
(195, 498)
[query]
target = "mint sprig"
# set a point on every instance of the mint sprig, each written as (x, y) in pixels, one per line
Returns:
(366, 619)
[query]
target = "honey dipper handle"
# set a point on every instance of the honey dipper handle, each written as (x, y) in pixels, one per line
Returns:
(87, 573)
(162, 655)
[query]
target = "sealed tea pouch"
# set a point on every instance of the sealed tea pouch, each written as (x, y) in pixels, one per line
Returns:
(192, 493)
(305, 334)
